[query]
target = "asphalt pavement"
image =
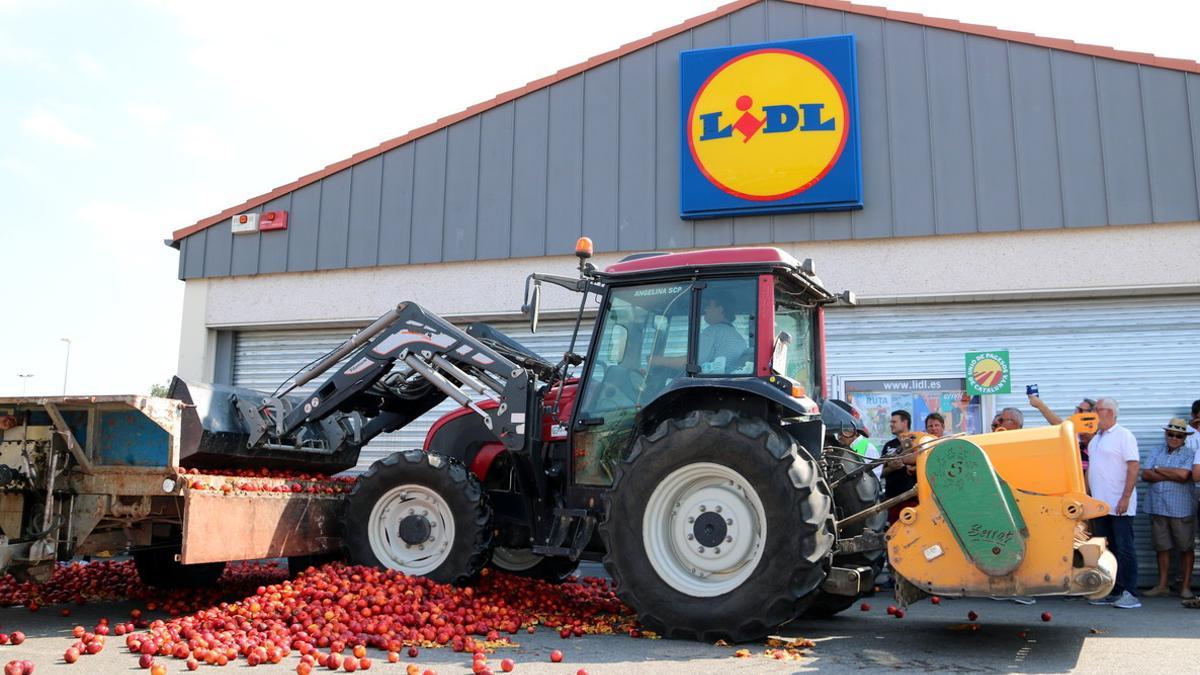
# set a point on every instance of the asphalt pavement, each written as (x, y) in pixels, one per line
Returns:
(1159, 637)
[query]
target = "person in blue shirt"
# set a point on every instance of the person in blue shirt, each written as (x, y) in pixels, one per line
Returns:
(1172, 505)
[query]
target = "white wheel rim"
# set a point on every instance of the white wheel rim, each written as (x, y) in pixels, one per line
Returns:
(669, 529)
(383, 529)
(515, 559)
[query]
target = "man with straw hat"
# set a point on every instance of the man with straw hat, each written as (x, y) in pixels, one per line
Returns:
(1172, 505)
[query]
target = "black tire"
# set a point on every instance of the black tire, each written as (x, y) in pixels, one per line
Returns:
(850, 498)
(796, 506)
(157, 567)
(554, 570)
(451, 482)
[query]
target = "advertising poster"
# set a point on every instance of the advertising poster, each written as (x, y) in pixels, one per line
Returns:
(875, 399)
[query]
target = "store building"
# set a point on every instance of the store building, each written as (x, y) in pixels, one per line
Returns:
(1017, 193)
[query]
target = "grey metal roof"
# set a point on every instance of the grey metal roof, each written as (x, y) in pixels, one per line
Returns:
(961, 133)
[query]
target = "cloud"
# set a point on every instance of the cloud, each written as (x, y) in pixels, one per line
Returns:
(202, 142)
(16, 166)
(16, 54)
(46, 125)
(88, 63)
(152, 118)
(128, 235)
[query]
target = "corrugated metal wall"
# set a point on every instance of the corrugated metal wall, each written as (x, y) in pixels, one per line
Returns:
(960, 134)
(264, 359)
(1142, 351)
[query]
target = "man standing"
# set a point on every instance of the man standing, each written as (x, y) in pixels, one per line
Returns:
(1087, 405)
(1172, 506)
(899, 471)
(1112, 475)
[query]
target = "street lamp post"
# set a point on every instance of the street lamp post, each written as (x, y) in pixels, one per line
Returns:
(24, 381)
(67, 364)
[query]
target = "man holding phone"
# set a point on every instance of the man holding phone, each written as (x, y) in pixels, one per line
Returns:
(1086, 405)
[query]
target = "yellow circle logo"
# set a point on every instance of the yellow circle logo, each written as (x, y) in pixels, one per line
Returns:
(987, 373)
(768, 124)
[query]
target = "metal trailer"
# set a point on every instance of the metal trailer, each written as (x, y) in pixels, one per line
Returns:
(101, 475)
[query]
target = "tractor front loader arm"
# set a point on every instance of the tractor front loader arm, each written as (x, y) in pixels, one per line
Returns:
(430, 350)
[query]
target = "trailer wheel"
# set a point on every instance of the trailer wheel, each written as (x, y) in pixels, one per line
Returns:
(850, 498)
(525, 563)
(422, 514)
(717, 527)
(157, 567)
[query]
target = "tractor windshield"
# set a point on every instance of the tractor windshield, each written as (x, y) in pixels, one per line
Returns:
(643, 346)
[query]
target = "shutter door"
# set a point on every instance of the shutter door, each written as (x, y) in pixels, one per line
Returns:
(264, 359)
(1141, 351)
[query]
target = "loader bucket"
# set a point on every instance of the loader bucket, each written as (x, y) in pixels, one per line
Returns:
(215, 436)
(1002, 514)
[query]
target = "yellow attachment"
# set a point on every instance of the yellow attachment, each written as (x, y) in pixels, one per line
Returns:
(1042, 468)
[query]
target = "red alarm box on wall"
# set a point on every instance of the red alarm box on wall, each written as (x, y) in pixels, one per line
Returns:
(272, 220)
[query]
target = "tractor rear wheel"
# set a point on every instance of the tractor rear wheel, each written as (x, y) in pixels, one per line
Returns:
(849, 498)
(717, 527)
(525, 563)
(422, 514)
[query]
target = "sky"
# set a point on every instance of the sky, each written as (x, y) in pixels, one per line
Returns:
(122, 121)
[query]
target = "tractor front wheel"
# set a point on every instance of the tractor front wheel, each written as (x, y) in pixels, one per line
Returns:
(717, 527)
(422, 514)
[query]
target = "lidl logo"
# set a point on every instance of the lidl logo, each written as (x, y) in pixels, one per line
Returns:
(770, 128)
(988, 373)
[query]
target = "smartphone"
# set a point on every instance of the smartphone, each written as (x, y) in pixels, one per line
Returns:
(1031, 390)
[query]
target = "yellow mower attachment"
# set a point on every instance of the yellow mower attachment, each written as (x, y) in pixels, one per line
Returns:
(1001, 514)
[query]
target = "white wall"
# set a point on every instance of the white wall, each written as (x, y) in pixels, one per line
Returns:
(1109, 261)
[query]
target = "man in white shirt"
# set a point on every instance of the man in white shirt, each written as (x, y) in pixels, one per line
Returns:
(1112, 475)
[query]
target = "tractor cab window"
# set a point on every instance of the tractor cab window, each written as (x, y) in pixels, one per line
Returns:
(727, 315)
(792, 345)
(642, 346)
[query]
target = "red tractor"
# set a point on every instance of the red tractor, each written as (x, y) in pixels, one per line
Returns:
(689, 453)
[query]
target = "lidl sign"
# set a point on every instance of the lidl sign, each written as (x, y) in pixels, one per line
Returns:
(770, 128)
(988, 373)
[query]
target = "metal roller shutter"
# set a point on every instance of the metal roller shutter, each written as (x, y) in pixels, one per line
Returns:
(1141, 351)
(264, 359)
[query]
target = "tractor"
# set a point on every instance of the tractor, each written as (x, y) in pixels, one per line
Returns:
(686, 450)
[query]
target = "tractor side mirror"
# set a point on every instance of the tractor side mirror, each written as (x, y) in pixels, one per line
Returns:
(533, 307)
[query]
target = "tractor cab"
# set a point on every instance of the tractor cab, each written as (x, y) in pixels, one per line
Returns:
(679, 331)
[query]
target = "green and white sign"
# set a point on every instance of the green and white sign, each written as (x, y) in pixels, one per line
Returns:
(988, 373)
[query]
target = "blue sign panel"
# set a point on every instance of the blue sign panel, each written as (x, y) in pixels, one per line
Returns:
(770, 128)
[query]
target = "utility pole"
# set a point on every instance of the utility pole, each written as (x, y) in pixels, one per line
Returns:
(67, 364)
(24, 381)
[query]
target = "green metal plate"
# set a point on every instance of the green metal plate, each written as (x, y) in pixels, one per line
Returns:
(977, 505)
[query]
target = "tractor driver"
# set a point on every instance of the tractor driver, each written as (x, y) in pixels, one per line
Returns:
(721, 345)
(721, 348)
